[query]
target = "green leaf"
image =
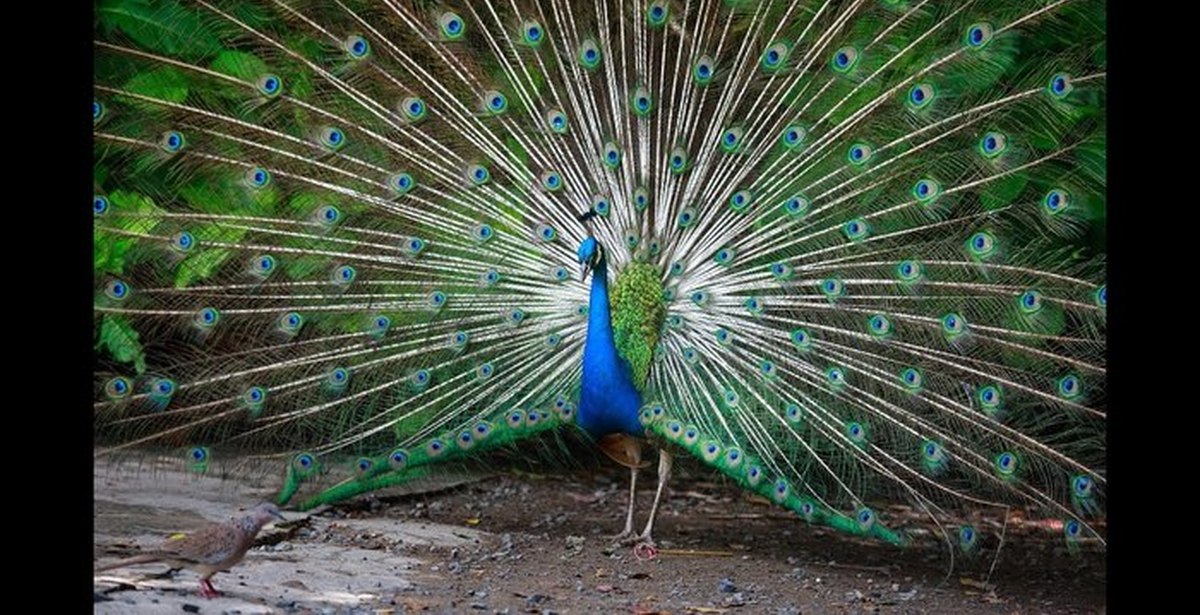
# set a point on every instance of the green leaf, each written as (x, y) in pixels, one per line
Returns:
(200, 266)
(217, 232)
(215, 194)
(131, 202)
(162, 26)
(109, 252)
(164, 84)
(121, 341)
(239, 64)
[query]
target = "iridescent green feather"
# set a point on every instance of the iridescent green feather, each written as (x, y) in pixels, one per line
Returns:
(638, 313)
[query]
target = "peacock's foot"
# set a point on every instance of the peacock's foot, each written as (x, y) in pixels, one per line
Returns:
(625, 538)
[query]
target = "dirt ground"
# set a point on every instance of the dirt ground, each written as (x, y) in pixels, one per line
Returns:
(522, 543)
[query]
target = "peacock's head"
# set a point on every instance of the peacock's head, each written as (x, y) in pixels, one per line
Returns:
(591, 255)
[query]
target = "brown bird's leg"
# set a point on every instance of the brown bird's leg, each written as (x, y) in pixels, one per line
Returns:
(206, 587)
(645, 543)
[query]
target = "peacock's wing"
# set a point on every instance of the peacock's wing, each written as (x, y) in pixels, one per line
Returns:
(638, 315)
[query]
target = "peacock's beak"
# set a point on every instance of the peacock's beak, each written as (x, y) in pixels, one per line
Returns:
(584, 269)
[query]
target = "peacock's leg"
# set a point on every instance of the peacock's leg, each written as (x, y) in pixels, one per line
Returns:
(627, 451)
(627, 533)
(664, 474)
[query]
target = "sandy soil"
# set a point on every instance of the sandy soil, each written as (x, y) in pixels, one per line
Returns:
(538, 544)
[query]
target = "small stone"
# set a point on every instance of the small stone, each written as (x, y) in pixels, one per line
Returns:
(191, 608)
(735, 600)
(726, 586)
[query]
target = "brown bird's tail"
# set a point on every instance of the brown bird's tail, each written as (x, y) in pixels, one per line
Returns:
(137, 559)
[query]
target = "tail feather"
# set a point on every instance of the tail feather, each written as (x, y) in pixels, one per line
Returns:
(145, 558)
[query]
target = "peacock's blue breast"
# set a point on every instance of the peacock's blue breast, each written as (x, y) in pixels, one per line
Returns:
(608, 401)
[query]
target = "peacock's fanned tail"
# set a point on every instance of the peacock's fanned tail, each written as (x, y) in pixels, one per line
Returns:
(343, 233)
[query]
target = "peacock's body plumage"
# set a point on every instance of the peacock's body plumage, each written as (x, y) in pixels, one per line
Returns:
(615, 373)
(839, 251)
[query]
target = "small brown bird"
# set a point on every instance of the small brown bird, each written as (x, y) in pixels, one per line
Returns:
(211, 549)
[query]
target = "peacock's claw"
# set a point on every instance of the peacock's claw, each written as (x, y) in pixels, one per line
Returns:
(625, 539)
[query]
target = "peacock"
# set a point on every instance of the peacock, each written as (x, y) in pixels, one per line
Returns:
(846, 253)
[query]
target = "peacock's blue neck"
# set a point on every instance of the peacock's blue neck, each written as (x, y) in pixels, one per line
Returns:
(608, 401)
(599, 333)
